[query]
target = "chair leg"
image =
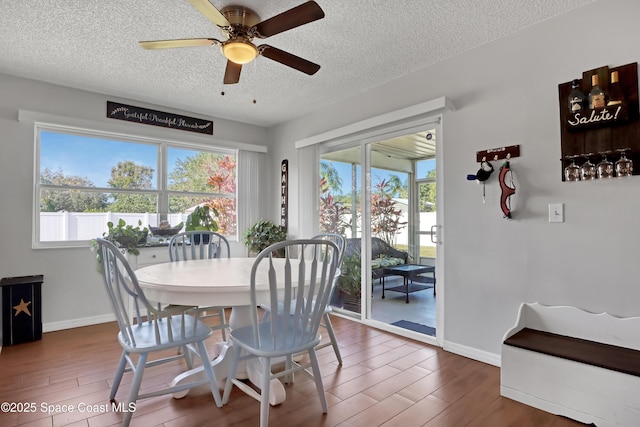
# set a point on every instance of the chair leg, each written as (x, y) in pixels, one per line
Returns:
(135, 387)
(288, 379)
(188, 357)
(119, 372)
(206, 364)
(332, 336)
(223, 321)
(317, 377)
(235, 356)
(264, 391)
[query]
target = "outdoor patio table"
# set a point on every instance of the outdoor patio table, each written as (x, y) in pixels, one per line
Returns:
(408, 272)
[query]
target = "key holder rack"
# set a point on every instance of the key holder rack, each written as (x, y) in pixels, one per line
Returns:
(495, 154)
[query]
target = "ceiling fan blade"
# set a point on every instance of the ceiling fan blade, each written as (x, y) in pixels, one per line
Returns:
(232, 73)
(165, 44)
(292, 18)
(288, 59)
(212, 14)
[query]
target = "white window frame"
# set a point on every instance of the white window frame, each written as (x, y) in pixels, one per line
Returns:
(161, 183)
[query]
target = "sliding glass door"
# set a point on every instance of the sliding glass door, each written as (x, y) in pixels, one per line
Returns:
(390, 279)
(403, 267)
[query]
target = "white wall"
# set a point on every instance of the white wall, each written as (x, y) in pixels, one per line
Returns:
(506, 93)
(72, 292)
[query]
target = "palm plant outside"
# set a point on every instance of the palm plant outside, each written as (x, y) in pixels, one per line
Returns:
(335, 208)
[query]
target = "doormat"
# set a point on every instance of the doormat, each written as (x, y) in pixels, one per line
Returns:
(417, 327)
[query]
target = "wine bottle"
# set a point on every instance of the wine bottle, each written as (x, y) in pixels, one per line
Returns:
(615, 92)
(576, 97)
(596, 96)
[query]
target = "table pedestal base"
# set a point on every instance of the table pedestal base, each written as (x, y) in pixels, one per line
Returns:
(222, 363)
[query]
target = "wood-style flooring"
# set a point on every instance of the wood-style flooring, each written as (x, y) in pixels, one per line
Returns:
(385, 380)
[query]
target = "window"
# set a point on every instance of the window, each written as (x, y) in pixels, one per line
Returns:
(86, 179)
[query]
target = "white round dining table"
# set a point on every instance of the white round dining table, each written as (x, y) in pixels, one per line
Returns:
(207, 282)
(221, 282)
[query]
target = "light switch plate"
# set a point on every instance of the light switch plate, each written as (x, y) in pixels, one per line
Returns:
(556, 212)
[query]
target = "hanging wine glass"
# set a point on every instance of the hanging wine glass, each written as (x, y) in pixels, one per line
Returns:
(588, 170)
(605, 167)
(572, 171)
(624, 165)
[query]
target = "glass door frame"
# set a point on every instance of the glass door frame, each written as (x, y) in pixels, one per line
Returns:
(417, 232)
(365, 315)
(417, 117)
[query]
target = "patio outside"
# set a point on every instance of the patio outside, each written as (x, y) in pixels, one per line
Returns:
(392, 195)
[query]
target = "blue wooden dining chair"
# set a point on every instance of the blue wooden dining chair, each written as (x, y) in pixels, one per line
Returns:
(299, 289)
(190, 245)
(145, 329)
(341, 242)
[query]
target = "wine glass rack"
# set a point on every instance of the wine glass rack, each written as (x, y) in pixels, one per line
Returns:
(604, 130)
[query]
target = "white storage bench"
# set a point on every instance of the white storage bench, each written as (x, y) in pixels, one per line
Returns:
(570, 362)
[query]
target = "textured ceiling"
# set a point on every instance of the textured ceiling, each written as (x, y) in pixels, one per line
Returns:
(93, 45)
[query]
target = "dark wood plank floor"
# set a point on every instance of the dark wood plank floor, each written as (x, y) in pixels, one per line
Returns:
(385, 380)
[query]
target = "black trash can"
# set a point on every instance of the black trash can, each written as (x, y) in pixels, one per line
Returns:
(21, 309)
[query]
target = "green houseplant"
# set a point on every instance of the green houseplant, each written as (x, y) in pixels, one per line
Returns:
(126, 235)
(123, 235)
(201, 220)
(263, 234)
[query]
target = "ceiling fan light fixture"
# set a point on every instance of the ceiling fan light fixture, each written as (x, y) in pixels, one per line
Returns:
(240, 52)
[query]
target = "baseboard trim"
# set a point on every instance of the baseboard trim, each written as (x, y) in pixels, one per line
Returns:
(551, 407)
(472, 353)
(76, 323)
(462, 350)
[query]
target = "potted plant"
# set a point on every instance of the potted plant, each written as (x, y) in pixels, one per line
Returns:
(201, 220)
(263, 234)
(350, 282)
(124, 236)
(127, 236)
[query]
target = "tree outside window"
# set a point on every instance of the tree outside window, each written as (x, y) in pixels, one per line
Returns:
(335, 207)
(87, 179)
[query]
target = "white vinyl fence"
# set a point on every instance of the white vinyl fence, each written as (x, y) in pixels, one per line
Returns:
(61, 226)
(427, 219)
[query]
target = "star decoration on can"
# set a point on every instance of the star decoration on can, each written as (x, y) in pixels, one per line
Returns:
(22, 307)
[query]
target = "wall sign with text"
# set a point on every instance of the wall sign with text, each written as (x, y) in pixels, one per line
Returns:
(284, 193)
(130, 113)
(599, 120)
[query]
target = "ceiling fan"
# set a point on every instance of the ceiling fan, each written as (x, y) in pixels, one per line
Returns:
(241, 25)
